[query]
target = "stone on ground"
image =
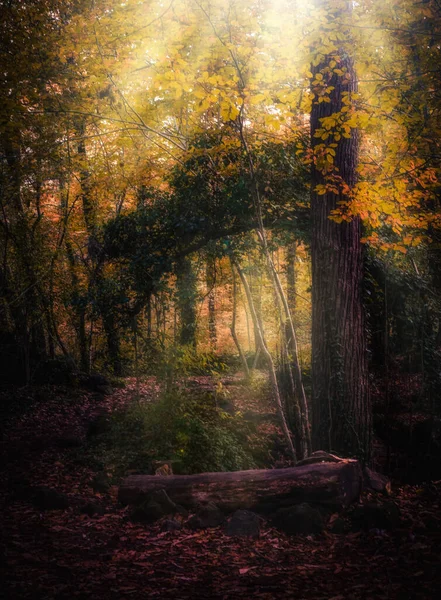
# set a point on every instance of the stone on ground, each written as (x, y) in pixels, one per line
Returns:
(300, 518)
(244, 523)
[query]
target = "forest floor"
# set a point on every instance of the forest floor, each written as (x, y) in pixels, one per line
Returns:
(65, 553)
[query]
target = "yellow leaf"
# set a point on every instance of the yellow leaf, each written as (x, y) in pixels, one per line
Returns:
(320, 189)
(257, 98)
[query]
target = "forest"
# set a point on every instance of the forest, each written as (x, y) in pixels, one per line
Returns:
(220, 299)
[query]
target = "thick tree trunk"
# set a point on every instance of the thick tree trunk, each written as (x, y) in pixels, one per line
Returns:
(335, 485)
(341, 402)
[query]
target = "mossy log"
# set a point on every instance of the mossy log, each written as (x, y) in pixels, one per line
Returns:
(335, 485)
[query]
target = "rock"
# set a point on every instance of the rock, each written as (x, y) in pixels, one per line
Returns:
(161, 498)
(91, 509)
(376, 516)
(148, 512)
(375, 481)
(180, 510)
(319, 457)
(171, 525)
(207, 516)
(46, 498)
(244, 523)
(101, 483)
(300, 518)
(338, 526)
(157, 505)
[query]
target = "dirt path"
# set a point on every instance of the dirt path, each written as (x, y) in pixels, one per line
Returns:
(68, 554)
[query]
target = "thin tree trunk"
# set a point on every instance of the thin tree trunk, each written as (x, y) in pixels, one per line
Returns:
(211, 282)
(113, 343)
(233, 325)
(257, 298)
(270, 362)
(291, 283)
(149, 318)
(135, 346)
(295, 372)
(248, 328)
(278, 290)
(79, 309)
(186, 285)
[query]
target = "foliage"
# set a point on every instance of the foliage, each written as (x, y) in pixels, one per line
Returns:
(184, 427)
(121, 155)
(185, 361)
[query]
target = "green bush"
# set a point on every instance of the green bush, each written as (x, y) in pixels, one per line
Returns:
(184, 361)
(187, 429)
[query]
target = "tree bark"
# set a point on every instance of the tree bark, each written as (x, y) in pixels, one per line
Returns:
(113, 342)
(291, 253)
(335, 485)
(233, 325)
(186, 296)
(211, 283)
(340, 396)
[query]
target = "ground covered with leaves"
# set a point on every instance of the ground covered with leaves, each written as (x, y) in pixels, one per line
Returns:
(81, 543)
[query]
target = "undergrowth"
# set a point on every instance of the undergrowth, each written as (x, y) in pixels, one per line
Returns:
(184, 427)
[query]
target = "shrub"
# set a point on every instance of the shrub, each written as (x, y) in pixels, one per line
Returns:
(184, 361)
(187, 429)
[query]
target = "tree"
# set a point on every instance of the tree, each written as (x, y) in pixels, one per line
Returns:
(340, 394)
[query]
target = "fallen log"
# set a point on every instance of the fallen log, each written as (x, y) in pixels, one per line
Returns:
(335, 485)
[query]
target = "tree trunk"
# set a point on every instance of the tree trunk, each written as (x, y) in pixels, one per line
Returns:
(298, 398)
(211, 282)
(79, 303)
(186, 285)
(291, 253)
(271, 367)
(233, 325)
(334, 485)
(113, 343)
(340, 398)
